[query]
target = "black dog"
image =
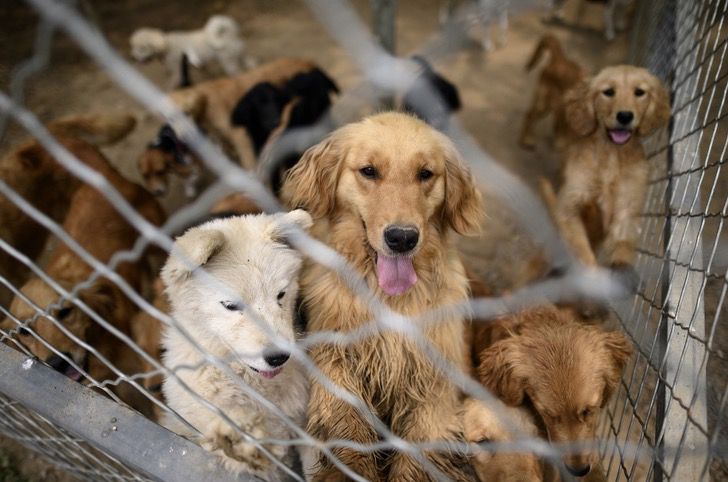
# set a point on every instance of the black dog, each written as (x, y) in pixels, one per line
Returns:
(419, 98)
(260, 112)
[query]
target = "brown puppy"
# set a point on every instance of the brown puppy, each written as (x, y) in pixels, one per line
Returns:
(210, 104)
(558, 75)
(482, 424)
(386, 193)
(567, 370)
(604, 169)
(39, 179)
(96, 225)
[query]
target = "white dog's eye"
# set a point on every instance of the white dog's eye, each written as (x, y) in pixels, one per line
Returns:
(231, 306)
(281, 295)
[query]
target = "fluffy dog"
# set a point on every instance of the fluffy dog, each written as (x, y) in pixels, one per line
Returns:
(39, 179)
(565, 369)
(255, 275)
(219, 40)
(481, 423)
(210, 104)
(96, 225)
(604, 166)
(558, 75)
(386, 192)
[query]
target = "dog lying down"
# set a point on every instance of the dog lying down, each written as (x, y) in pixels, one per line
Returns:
(249, 294)
(562, 369)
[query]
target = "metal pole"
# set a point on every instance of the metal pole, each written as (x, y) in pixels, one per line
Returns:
(384, 13)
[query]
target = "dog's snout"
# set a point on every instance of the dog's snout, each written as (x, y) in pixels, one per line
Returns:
(580, 471)
(276, 359)
(401, 239)
(59, 364)
(624, 117)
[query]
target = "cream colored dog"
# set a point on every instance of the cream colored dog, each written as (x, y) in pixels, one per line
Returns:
(219, 40)
(248, 294)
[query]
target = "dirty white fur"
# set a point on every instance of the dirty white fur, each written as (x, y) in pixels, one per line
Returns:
(249, 267)
(219, 40)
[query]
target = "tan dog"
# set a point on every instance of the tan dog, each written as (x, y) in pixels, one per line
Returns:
(481, 424)
(604, 169)
(566, 369)
(96, 225)
(39, 179)
(558, 75)
(386, 193)
(211, 104)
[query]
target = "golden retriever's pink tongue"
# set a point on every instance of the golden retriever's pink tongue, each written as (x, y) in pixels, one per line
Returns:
(396, 274)
(619, 136)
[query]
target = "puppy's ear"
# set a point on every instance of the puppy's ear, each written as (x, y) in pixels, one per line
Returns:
(658, 110)
(311, 183)
(463, 209)
(497, 372)
(619, 349)
(579, 109)
(284, 222)
(190, 251)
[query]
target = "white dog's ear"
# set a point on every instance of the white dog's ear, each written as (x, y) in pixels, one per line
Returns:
(280, 227)
(220, 29)
(191, 250)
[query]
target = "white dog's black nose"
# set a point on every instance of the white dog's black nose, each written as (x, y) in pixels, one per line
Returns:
(624, 117)
(276, 359)
(401, 239)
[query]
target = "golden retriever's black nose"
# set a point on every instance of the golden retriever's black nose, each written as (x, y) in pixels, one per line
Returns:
(624, 117)
(276, 359)
(579, 471)
(59, 364)
(401, 239)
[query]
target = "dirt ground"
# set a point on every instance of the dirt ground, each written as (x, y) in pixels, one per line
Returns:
(493, 86)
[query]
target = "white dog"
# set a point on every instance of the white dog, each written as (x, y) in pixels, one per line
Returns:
(219, 40)
(231, 284)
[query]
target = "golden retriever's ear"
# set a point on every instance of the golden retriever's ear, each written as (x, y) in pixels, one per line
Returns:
(496, 372)
(463, 203)
(191, 250)
(658, 111)
(579, 112)
(619, 349)
(311, 183)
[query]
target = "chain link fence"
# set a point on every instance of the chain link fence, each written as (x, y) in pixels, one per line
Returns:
(665, 423)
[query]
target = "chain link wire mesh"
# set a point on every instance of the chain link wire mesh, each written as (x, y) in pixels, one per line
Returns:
(668, 420)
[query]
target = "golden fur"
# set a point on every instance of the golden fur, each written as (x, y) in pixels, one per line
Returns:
(96, 225)
(388, 371)
(210, 104)
(557, 77)
(565, 369)
(39, 179)
(604, 183)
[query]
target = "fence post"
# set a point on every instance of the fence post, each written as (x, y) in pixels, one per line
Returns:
(683, 324)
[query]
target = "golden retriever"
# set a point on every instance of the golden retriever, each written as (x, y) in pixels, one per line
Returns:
(39, 179)
(386, 193)
(558, 76)
(96, 225)
(566, 370)
(604, 166)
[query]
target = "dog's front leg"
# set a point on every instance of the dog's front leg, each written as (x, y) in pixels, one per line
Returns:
(332, 418)
(435, 420)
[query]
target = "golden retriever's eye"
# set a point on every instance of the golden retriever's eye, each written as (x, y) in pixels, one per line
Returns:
(483, 440)
(639, 92)
(424, 174)
(608, 92)
(369, 172)
(231, 306)
(63, 313)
